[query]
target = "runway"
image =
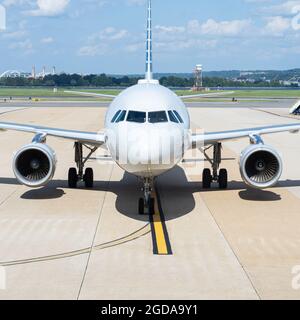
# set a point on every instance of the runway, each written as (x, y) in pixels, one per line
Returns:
(58, 243)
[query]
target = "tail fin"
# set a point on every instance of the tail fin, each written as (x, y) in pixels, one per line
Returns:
(149, 74)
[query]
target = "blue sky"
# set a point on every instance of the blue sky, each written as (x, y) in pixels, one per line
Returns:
(88, 36)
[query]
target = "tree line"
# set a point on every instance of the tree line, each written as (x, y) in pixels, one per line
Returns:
(103, 80)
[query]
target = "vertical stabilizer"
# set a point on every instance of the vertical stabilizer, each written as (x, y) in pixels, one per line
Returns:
(149, 70)
(149, 75)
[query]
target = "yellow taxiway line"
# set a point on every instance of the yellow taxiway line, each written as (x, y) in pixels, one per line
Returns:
(160, 237)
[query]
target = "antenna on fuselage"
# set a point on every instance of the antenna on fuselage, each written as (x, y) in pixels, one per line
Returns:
(149, 74)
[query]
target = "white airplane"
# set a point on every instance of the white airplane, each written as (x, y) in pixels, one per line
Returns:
(149, 115)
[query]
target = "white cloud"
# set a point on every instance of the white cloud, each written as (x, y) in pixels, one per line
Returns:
(15, 34)
(134, 47)
(49, 7)
(47, 40)
(208, 28)
(221, 28)
(93, 50)
(21, 32)
(277, 25)
(25, 46)
(284, 8)
(109, 34)
(135, 2)
(100, 43)
(9, 3)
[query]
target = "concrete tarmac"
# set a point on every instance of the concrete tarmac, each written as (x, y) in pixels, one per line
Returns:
(58, 243)
(211, 103)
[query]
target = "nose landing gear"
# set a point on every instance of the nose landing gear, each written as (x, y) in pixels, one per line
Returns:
(147, 202)
(76, 175)
(219, 176)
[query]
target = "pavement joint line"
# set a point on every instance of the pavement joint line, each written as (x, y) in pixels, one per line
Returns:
(95, 234)
(160, 236)
(231, 249)
(237, 258)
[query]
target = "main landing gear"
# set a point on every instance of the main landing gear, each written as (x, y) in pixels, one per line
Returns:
(79, 174)
(216, 175)
(147, 203)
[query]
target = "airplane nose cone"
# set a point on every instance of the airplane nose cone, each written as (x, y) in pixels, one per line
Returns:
(143, 146)
(149, 149)
(154, 145)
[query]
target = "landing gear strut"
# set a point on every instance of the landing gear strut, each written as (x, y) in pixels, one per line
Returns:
(147, 202)
(76, 175)
(216, 175)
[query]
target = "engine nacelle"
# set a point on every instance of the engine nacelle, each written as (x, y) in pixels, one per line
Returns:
(34, 165)
(260, 166)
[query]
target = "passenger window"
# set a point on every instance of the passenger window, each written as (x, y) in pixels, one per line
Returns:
(178, 116)
(116, 116)
(121, 116)
(157, 117)
(172, 117)
(136, 116)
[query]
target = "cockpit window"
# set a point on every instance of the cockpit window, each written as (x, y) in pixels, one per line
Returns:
(116, 116)
(157, 117)
(121, 117)
(172, 117)
(136, 116)
(178, 116)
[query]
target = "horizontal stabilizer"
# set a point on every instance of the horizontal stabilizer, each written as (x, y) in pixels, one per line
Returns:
(91, 94)
(207, 95)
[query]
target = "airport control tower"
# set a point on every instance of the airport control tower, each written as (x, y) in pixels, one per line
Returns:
(198, 84)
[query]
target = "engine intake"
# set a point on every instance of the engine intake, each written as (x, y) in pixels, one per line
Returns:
(34, 165)
(260, 166)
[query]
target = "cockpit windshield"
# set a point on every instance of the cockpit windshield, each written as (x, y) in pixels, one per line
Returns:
(173, 117)
(136, 116)
(151, 117)
(157, 117)
(121, 117)
(116, 116)
(178, 116)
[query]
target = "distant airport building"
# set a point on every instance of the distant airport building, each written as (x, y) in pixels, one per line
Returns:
(287, 83)
(14, 74)
(33, 74)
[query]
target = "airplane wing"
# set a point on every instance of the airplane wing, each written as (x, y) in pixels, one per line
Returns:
(99, 95)
(215, 137)
(96, 139)
(206, 95)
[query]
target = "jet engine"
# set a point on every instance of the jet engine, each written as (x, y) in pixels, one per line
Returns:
(34, 165)
(260, 166)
